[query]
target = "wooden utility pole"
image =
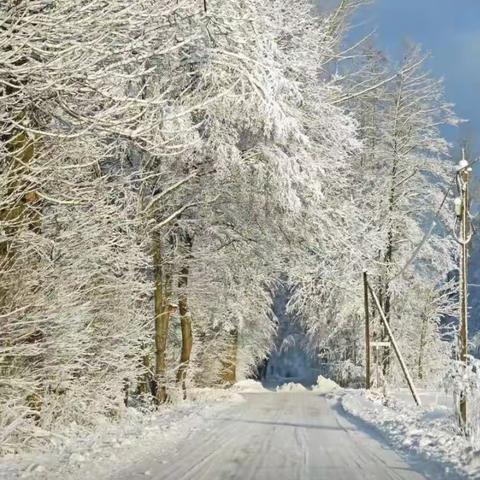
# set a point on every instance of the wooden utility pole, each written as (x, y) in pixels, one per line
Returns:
(395, 346)
(367, 332)
(463, 175)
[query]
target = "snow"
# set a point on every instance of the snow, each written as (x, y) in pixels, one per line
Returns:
(250, 432)
(214, 395)
(291, 387)
(248, 386)
(118, 444)
(277, 436)
(429, 432)
(325, 385)
(428, 398)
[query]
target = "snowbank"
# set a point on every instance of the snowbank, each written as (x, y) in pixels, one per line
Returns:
(429, 432)
(112, 446)
(248, 386)
(210, 395)
(291, 387)
(325, 385)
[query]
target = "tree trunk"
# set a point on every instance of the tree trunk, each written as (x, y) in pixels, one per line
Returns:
(387, 303)
(229, 370)
(163, 311)
(386, 351)
(21, 213)
(187, 341)
(421, 349)
(185, 319)
(145, 383)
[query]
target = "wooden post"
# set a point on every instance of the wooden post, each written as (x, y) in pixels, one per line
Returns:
(395, 347)
(367, 332)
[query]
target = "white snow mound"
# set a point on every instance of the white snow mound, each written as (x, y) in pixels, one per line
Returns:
(429, 432)
(248, 386)
(291, 387)
(325, 385)
(210, 395)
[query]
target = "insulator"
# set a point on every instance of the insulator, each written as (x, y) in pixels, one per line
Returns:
(458, 206)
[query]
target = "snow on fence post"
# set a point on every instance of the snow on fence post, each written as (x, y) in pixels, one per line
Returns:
(395, 347)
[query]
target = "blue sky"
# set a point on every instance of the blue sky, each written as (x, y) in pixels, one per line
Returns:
(450, 31)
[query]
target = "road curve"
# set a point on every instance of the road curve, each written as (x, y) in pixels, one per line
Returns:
(283, 436)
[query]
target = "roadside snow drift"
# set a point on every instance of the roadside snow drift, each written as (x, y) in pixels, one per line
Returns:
(429, 432)
(113, 446)
(248, 386)
(325, 385)
(291, 387)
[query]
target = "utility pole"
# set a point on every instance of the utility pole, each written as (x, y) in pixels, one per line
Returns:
(367, 332)
(461, 207)
(388, 329)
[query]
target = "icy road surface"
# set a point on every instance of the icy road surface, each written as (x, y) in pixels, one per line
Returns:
(282, 436)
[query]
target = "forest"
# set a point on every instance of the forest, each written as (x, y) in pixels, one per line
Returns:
(169, 166)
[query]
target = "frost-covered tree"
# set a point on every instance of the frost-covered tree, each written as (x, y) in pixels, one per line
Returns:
(397, 184)
(74, 302)
(164, 167)
(417, 180)
(263, 125)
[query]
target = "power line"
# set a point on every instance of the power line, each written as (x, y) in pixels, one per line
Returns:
(428, 234)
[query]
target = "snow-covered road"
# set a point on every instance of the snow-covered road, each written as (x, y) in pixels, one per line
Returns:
(281, 436)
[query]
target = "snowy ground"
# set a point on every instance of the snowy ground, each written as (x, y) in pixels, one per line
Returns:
(253, 433)
(428, 432)
(116, 445)
(281, 435)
